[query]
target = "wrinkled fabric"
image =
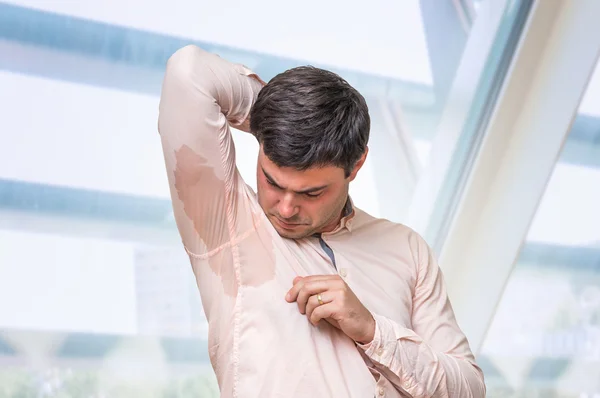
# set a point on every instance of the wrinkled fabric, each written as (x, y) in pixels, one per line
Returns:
(260, 345)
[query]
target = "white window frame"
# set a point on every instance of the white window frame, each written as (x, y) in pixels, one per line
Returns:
(556, 56)
(457, 112)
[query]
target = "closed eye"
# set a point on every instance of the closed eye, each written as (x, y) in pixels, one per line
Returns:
(271, 183)
(313, 195)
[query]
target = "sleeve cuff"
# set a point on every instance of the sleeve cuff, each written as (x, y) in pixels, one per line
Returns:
(381, 334)
(385, 341)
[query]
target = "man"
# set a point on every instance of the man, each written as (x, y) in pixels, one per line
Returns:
(305, 294)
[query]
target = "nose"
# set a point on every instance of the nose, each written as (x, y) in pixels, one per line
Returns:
(286, 207)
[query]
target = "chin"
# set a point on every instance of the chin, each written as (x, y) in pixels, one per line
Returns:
(289, 234)
(286, 235)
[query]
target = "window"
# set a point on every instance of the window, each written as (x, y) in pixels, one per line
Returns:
(544, 340)
(96, 294)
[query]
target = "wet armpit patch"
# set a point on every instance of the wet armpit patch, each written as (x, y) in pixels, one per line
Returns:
(203, 196)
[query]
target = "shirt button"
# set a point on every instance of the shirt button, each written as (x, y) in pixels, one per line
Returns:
(380, 351)
(381, 392)
(343, 272)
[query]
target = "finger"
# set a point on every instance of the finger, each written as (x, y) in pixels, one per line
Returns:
(310, 289)
(313, 302)
(313, 278)
(292, 294)
(322, 312)
(299, 283)
(327, 277)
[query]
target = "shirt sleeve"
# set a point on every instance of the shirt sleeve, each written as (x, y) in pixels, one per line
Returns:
(434, 358)
(201, 95)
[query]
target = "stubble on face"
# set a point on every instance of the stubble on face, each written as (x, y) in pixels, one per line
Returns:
(327, 220)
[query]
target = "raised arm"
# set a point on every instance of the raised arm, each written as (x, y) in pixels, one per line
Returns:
(201, 95)
(433, 359)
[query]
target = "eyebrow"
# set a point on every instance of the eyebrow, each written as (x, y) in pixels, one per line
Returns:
(309, 190)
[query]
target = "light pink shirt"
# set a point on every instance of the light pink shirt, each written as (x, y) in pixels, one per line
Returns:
(260, 345)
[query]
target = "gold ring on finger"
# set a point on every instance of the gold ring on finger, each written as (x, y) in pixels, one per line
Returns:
(320, 299)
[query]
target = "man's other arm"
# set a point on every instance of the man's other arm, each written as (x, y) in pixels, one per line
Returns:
(433, 359)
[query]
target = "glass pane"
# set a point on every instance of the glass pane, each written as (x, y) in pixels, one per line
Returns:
(97, 298)
(545, 338)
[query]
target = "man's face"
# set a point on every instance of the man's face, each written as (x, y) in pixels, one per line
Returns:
(301, 203)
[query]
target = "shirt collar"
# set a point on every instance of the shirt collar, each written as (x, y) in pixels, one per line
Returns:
(347, 216)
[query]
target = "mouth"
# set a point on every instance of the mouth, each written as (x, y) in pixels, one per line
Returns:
(286, 225)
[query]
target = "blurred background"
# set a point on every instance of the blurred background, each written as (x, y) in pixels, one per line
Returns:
(485, 139)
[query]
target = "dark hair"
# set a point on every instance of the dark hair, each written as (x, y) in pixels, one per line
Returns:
(309, 117)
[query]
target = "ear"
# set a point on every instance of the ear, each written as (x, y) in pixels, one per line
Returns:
(358, 165)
